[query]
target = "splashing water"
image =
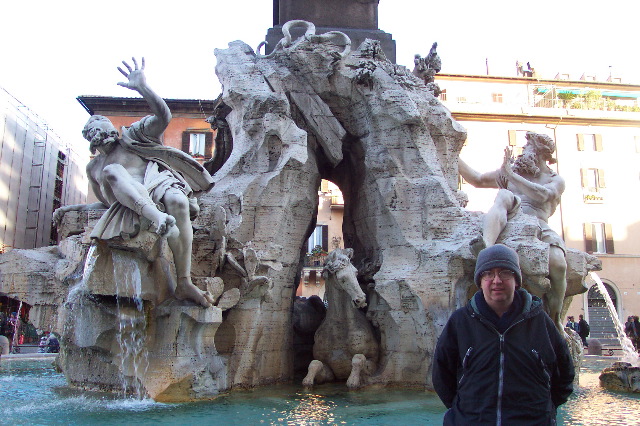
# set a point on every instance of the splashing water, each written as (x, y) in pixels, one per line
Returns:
(629, 353)
(80, 288)
(16, 325)
(132, 324)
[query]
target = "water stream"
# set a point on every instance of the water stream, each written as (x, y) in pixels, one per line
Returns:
(132, 324)
(629, 353)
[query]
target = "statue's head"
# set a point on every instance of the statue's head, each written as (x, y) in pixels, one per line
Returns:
(543, 145)
(538, 147)
(344, 275)
(99, 131)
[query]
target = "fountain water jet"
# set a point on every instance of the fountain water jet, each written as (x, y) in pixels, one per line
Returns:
(629, 353)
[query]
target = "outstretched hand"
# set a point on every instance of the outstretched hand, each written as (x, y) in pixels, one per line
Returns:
(135, 76)
(506, 162)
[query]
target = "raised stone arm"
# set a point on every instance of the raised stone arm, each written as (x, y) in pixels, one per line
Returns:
(156, 125)
(477, 179)
(539, 193)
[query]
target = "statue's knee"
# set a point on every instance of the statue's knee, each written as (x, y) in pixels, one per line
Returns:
(176, 203)
(113, 172)
(504, 198)
(557, 260)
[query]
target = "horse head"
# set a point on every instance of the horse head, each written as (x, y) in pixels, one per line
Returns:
(344, 275)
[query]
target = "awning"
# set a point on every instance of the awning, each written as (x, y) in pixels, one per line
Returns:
(609, 94)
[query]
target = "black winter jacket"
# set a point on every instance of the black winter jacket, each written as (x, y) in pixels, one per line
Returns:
(519, 377)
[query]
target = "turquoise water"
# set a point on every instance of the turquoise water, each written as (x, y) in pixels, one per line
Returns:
(33, 393)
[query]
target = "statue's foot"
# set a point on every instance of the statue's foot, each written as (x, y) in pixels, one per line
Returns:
(357, 365)
(477, 245)
(314, 368)
(186, 290)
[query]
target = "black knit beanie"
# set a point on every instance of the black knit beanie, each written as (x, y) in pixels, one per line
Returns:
(498, 256)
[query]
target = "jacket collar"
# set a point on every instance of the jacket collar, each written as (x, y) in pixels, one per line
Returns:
(531, 304)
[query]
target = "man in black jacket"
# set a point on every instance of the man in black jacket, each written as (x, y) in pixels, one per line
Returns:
(500, 360)
(583, 330)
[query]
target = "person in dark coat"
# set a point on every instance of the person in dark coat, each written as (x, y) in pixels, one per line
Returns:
(583, 330)
(500, 360)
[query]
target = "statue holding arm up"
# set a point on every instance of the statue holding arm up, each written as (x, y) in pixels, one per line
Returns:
(144, 183)
(528, 183)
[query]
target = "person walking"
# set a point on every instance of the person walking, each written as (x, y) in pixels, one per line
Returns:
(583, 330)
(572, 324)
(500, 360)
(631, 331)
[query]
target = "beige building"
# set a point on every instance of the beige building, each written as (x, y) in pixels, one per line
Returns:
(596, 126)
(326, 236)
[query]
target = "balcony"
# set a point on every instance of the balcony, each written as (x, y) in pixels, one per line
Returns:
(314, 261)
(337, 201)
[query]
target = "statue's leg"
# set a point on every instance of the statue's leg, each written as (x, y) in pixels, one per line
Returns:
(558, 277)
(318, 373)
(180, 243)
(496, 218)
(132, 194)
(360, 367)
(494, 221)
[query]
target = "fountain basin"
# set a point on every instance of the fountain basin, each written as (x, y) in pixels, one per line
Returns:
(33, 392)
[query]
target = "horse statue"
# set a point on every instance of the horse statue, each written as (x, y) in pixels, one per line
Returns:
(345, 346)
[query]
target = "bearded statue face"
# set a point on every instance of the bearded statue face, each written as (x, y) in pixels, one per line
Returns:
(526, 163)
(99, 131)
(538, 147)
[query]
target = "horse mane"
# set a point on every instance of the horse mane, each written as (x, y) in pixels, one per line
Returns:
(336, 260)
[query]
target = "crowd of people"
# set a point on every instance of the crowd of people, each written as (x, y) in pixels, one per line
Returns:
(19, 331)
(632, 328)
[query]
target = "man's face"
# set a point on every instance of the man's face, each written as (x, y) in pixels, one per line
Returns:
(101, 132)
(498, 286)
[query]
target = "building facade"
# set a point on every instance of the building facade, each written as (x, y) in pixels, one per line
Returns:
(596, 126)
(40, 172)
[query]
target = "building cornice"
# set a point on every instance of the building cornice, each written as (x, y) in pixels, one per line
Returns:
(109, 105)
(544, 119)
(532, 80)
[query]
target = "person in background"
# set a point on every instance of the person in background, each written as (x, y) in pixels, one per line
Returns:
(572, 324)
(631, 331)
(583, 330)
(501, 360)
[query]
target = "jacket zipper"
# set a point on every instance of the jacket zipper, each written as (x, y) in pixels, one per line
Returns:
(501, 364)
(464, 364)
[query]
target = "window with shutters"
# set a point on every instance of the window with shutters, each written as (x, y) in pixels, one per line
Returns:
(598, 238)
(589, 142)
(593, 179)
(496, 97)
(198, 143)
(517, 141)
(319, 237)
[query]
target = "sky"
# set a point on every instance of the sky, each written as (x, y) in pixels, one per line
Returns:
(53, 52)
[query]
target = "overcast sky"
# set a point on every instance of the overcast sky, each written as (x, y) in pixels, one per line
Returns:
(56, 51)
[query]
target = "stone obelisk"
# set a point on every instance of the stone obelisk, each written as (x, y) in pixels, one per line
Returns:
(356, 18)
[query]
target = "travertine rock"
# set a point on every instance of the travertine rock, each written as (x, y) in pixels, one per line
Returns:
(310, 110)
(621, 377)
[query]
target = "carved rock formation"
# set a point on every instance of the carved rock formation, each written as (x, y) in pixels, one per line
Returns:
(621, 376)
(311, 110)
